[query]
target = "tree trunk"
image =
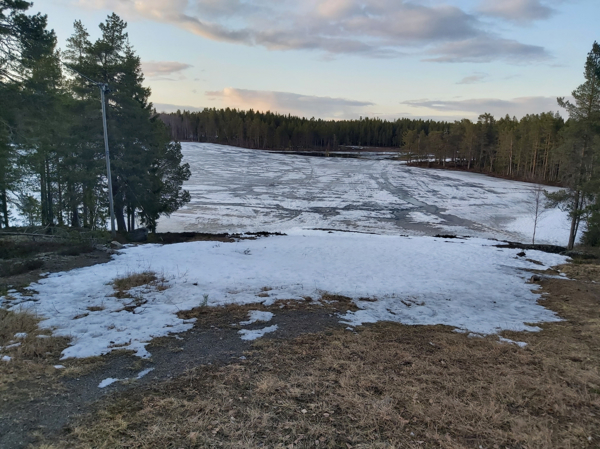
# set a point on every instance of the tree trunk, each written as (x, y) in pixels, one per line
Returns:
(4, 199)
(73, 206)
(59, 212)
(49, 194)
(574, 220)
(44, 204)
(510, 157)
(120, 217)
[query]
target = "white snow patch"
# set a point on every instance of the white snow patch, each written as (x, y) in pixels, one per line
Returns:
(14, 345)
(257, 315)
(520, 344)
(422, 217)
(247, 334)
(21, 335)
(469, 284)
(59, 366)
(6, 358)
(109, 381)
(144, 372)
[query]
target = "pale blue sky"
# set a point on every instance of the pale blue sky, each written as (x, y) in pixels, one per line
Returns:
(349, 58)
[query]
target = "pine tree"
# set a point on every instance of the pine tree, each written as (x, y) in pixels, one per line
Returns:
(24, 40)
(582, 145)
(146, 167)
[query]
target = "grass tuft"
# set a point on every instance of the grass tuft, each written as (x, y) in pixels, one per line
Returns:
(134, 280)
(32, 356)
(124, 284)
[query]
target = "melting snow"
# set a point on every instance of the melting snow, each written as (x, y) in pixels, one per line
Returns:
(469, 284)
(239, 190)
(106, 382)
(466, 283)
(520, 344)
(247, 334)
(144, 372)
(257, 315)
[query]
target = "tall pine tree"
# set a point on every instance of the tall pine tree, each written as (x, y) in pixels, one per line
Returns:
(581, 146)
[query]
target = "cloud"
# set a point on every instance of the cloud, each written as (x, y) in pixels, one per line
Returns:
(290, 103)
(168, 108)
(369, 28)
(520, 11)
(518, 107)
(473, 79)
(488, 49)
(154, 69)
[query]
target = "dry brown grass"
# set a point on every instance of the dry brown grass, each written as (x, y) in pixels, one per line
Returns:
(386, 386)
(31, 371)
(123, 288)
(32, 357)
(123, 284)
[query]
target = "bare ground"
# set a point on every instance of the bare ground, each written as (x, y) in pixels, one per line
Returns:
(314, 384)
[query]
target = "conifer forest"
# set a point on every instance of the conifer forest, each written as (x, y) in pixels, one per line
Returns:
(51, 131)
(51, 134)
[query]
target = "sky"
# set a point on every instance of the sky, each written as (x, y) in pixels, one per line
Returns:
(345, 59)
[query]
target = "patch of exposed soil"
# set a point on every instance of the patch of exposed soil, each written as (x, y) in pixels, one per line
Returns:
(45, 409)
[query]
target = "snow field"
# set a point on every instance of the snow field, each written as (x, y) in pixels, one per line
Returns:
(469, 284)
(239, 190)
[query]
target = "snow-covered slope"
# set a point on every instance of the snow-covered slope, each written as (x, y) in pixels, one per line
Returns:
(468, 283)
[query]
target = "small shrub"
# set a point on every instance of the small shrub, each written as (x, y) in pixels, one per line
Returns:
(13, 322)
(591, 235)
(20, 249)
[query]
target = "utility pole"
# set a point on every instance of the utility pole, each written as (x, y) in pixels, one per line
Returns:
(104, 89)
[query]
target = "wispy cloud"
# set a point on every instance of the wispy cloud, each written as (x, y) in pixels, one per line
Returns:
(156, 69)
(473, 79)
(487, 49)
(520, 11)
(518, 107)
(168, 108)
(371, 28)
(290, 103)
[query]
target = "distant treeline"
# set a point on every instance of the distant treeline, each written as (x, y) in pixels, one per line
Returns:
(529, 148)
